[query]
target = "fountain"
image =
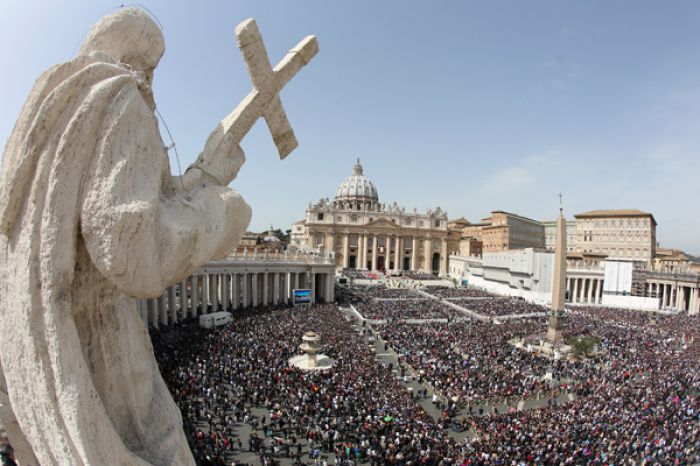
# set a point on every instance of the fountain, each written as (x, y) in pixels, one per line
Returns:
(311, 360)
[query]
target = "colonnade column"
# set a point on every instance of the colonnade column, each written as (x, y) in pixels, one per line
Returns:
(575, 295)
(172, 309)
(374, 252)
(600, 292)
(152, 310)
(265, 289)
(226, 299)
(162, 313)
(244, 289)
(194, 285)
(235, 296)
(312, 278)
(184, 298)
(143, 311)
(275, 288)
(254, 289)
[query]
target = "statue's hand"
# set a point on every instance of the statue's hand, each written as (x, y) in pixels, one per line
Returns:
(215, 168)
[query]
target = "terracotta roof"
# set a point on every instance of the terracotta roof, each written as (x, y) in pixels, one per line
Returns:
(613, 213)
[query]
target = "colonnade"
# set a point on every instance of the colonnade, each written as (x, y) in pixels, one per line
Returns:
(585, 290)
(674, 295)
(212, 290)
(398, 252)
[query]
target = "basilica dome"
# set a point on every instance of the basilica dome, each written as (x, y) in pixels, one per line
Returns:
(357, 187)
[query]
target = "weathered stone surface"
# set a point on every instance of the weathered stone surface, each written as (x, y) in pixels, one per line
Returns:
(90, 220)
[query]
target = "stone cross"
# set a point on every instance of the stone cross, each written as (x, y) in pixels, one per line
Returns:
(264, 99)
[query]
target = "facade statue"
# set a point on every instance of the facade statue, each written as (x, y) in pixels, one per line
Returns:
(91, 220)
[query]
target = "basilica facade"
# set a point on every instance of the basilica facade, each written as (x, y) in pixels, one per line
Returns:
(362, 233)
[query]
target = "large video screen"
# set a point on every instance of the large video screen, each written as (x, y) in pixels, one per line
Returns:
(301, 296)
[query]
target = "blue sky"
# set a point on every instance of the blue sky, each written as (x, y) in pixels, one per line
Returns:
(471, 106)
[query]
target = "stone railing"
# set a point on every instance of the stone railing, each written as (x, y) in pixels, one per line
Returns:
(278, 257)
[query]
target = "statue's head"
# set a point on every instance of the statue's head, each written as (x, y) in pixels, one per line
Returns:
(129, 35)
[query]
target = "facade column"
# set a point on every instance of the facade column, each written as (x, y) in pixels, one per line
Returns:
(575, 295)
(600, 292)
(172, 308)
(679, 297)
(397, 254)
(346, 250)
(365, 241)
(428, 255)
(595, 291)
(414, 254)
(589, 297)
(328, 243)
(330, 282)
(443, 257)
(374, 252)
(694, 307)
(296, 281)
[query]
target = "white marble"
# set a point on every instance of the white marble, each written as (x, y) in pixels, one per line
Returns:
(90, 220)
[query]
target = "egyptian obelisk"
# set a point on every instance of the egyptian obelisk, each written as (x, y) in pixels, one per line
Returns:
(559, 282)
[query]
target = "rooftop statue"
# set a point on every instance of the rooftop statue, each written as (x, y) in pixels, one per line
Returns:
(90, 220)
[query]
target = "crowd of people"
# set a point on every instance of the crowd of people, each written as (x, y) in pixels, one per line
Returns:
(495, 307)
(636, 402)
(420, 276)
(639, 403)
(400, 310)
(457, 293)
(472, 362)
(356, 412)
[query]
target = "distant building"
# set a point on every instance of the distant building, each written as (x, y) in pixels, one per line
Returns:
(362, 233)
(503, 231)
(550, 234)
(618, 234)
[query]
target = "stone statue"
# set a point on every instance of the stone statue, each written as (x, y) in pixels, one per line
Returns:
(91, 220)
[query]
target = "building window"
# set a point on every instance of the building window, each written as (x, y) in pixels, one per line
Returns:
(319, 216)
